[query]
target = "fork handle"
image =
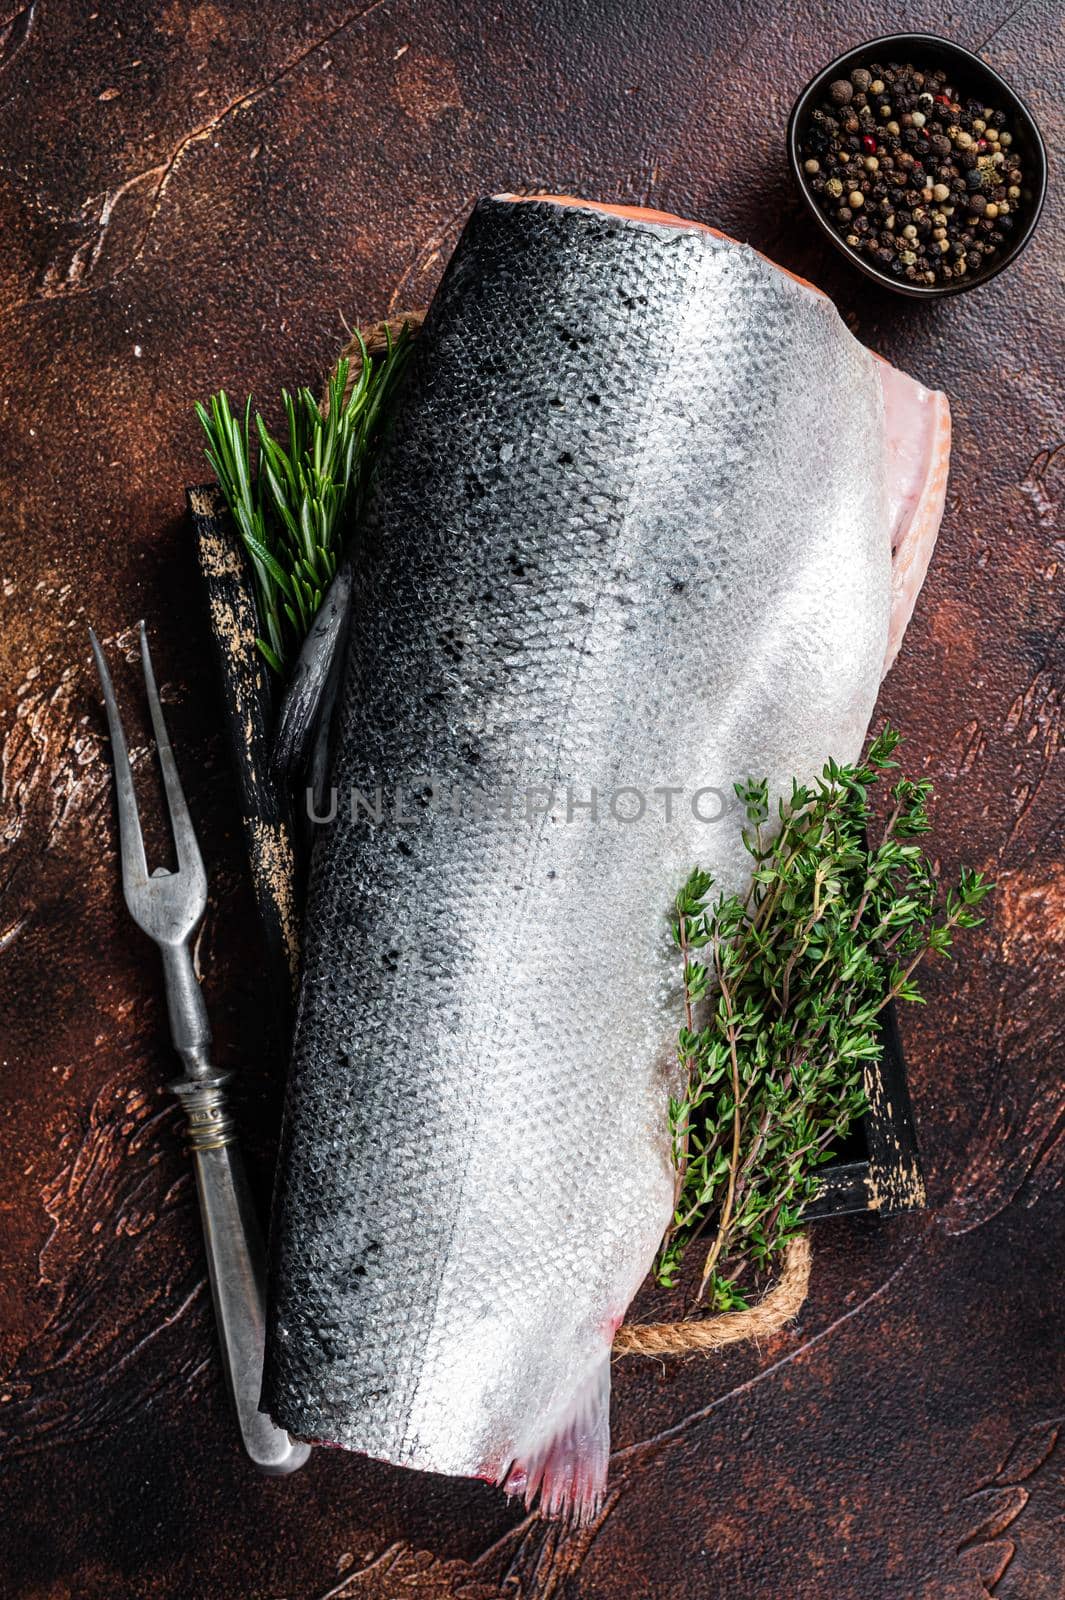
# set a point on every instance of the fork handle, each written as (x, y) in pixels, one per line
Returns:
(236, 1265)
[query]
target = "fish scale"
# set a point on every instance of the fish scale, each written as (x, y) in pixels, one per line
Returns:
(629, 530)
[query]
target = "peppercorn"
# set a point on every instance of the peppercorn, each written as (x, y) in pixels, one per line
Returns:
(911, 174)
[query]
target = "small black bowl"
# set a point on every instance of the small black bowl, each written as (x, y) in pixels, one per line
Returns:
(971, 77)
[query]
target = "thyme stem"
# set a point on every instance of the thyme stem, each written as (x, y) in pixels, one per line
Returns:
(792, 977)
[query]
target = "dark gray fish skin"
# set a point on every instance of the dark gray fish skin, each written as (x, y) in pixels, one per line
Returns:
(308, 702)
(629, 529)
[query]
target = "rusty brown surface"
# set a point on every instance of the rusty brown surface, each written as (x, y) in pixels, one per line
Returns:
(197, 194)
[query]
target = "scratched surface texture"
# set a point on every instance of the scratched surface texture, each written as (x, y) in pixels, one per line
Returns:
(201, 194)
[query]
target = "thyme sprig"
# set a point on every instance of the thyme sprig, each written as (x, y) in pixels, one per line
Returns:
(295, 506)
(783, 990)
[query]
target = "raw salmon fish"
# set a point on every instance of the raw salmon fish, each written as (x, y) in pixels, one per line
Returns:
(631, 538)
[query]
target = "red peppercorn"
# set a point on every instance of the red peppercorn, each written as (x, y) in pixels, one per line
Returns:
(869, 144)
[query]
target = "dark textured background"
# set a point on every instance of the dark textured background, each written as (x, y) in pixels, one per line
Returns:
(199, 194)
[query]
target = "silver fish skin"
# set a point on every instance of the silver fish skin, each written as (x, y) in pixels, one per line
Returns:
(629, 532)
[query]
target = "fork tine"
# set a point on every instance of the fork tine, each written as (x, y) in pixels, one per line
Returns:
(134, 866)
(185, 841)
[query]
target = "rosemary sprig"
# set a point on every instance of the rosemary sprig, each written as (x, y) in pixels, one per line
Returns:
(783, 988)
(294, 512)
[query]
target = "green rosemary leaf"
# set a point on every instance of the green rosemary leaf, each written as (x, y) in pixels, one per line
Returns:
(295, 507)
(270, 656)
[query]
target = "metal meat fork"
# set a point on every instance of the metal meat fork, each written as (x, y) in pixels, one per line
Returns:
(169, 907)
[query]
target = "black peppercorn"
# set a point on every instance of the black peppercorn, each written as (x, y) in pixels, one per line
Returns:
(894, 145)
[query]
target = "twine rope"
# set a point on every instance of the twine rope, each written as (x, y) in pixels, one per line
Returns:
(784, 1299)
(777, 1307)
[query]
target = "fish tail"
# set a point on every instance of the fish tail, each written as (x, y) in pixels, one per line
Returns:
(565, 1461)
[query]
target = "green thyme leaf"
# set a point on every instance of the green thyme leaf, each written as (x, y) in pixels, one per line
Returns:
(782, 1006)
